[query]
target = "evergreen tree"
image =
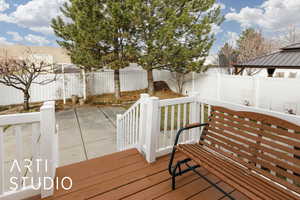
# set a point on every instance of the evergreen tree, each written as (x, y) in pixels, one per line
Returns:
(193, 37)
(175, 35)
(99, 33)
(227, 58)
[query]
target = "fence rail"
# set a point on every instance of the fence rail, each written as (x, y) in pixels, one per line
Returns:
(44, 146)
(160, 120)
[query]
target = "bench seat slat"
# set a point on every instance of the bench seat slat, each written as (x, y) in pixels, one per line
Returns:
(250, 178)
(253, 167)
(234, 174)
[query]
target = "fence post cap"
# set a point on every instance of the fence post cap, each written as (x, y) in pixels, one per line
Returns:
(144, 96)
(154, 98)
(119, 116)
(194, 94)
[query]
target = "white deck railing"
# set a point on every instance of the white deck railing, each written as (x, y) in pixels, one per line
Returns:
(159, 120)
(44, 146)
(128, 125)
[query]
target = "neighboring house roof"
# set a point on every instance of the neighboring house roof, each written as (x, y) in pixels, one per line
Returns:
(18, 51)
(286, 58)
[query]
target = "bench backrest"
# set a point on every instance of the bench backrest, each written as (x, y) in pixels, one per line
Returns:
(265, 144)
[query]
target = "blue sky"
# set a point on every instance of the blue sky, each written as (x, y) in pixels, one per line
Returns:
(27, 21)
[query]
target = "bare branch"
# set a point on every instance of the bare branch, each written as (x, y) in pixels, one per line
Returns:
(22, 73)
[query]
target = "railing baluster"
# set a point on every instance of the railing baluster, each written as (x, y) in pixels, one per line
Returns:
(172, 126)
(178, 118)
(19, 151)
(1, 161)
(127, 130)
(158, 140)
(184, 121)
(137, 124)
(164, 143)
(202, 116)
(130, 127)
(35, 151)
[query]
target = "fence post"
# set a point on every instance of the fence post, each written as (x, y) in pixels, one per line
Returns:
(152, 128)
(48, 147)
(64, 83)
(195, 116)
(143, 121)
(84, 84)
(120, 133)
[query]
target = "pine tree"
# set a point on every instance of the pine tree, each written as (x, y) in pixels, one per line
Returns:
(153, 34)
(193, 38)
(175, 35)
(99, 34)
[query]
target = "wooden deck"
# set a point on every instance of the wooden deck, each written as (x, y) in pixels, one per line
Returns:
(126, 175)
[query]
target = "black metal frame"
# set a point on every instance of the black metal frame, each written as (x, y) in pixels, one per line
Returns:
(173, 170)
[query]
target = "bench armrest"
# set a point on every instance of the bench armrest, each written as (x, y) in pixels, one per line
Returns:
(187, 127)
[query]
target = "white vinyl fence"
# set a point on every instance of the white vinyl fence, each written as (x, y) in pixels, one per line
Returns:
(278, 94)
(72, 84)
(43, 145)
(160, 120)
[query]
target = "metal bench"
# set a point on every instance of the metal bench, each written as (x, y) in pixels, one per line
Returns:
(257, 154)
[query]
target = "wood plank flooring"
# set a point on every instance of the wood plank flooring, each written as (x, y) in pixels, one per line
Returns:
(126, 175)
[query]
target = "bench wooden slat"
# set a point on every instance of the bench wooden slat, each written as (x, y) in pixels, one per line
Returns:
(253, 167)
(254, 180)
(250, 151)
(231, 174)
(287, 165)
(283, 138)
(253, 124)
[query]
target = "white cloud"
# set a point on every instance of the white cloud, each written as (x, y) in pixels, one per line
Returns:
(4, 41)
(232, 9)
(231, 38)
(3, 5)
(35, 39)
(272, 15)
(215, 29)
(35, 15)
(15, 36)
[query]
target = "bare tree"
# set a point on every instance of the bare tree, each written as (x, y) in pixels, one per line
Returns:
(290, 36)
(22, 73)
(252, 44)
(180, 79)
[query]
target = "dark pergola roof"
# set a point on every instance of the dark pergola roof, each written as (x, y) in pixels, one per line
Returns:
(286, 58)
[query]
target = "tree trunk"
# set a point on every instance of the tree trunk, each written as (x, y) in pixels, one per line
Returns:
(117, 84)
(150, 82)
(26, 100)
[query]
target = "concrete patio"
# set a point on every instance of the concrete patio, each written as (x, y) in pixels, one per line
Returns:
(86, 133)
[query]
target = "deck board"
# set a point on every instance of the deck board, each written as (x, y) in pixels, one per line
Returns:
(126, 175)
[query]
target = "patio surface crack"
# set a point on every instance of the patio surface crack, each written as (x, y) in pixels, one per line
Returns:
(80, 130)
(107, 117)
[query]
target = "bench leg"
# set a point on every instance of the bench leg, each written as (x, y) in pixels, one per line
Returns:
(180, 171)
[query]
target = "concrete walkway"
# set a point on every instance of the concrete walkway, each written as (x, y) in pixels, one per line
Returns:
(86, 133)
